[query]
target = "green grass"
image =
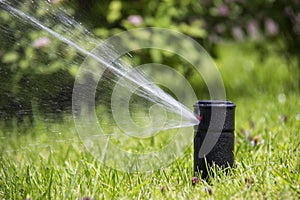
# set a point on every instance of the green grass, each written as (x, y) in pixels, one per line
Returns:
(267, 161)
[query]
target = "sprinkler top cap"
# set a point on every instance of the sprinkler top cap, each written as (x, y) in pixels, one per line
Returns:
(214, 103)
(215, 115)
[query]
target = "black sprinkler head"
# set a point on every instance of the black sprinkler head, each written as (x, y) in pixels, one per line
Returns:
(214, 135)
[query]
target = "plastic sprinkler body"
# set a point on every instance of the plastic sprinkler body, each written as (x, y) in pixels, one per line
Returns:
(214, 135)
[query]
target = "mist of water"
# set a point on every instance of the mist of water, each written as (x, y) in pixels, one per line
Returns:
(135, 82)
(121, 115)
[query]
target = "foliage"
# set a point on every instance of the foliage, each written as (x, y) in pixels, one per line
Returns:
(30, 59)
(30, 62)
(271, 21)
(208, 21)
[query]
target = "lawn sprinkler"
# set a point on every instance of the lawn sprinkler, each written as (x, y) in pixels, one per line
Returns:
(214, 136)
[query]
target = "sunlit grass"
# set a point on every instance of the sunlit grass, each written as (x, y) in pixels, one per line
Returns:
(46, 160)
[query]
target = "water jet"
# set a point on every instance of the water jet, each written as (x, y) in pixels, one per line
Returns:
(117, 105)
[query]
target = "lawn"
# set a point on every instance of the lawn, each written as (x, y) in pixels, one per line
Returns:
(44, 161)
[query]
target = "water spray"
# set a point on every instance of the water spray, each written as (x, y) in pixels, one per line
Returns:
(124, 80)
(214, 136)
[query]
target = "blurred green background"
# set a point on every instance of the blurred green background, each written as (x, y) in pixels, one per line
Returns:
(256, 45)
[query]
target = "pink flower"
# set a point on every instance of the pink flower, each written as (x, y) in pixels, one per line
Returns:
(288, 11)
(237, 33)
(296, 27)
(271, 27)
(135, 19)
(252, 29)
(41, 42)
(208, 190)
(297, 18)
(222, 10)
(195, 180)
(87, 198)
